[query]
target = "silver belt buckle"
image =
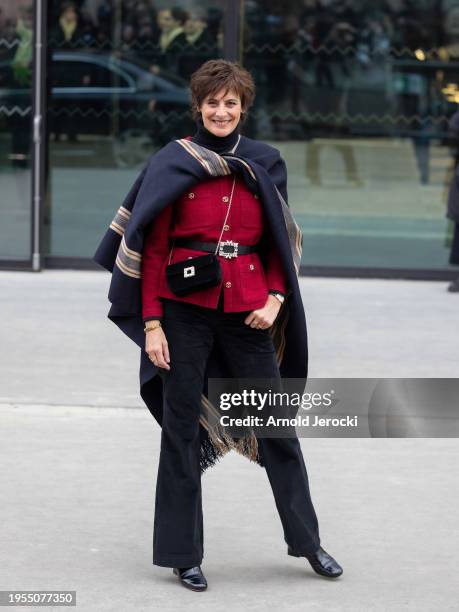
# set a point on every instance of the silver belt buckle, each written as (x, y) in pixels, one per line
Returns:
(227, 254)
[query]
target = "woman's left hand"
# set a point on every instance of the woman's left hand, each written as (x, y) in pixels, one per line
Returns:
(262, 318)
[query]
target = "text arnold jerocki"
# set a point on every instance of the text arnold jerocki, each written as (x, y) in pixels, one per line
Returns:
(299, 421)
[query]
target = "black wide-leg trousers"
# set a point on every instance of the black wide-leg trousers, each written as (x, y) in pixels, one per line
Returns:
(178, 526)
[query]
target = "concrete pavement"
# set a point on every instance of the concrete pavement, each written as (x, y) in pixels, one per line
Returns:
(80, 452)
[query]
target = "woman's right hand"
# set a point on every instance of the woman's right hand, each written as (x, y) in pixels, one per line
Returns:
(157, 348)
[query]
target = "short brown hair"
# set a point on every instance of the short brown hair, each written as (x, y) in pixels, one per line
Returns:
(218, 74)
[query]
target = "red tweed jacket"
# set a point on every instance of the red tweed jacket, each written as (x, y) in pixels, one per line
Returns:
(199, 215)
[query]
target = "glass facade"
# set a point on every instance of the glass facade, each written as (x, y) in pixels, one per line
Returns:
(16, 53)
(358, 97)
(118, 77)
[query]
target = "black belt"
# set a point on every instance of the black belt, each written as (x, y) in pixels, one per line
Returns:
(228, 248)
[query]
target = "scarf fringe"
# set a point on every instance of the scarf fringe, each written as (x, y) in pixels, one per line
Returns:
(248, 447)
(210, 454)
(219, 443)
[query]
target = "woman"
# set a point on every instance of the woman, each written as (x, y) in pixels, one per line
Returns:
(192, 193)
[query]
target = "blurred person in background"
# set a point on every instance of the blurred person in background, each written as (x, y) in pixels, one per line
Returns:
(67, 33)
(201, 44)
(172, 40)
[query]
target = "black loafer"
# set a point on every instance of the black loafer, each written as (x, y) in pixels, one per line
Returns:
(454, 286)
(191, 578)
(322, 563)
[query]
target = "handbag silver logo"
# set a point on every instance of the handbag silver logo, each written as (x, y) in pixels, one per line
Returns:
(188, 271)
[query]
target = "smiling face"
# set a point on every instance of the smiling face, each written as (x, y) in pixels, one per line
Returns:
(221, 112)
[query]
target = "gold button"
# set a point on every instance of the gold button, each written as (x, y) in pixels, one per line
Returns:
(191, 194)
(226, 227)
(225, 198)
(252, 267)
(228, 285)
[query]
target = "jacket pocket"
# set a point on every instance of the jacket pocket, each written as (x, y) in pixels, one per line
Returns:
(251, 212)
(195, 211)
(253, 281)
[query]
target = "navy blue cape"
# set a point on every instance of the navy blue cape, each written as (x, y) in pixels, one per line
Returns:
(168, 173)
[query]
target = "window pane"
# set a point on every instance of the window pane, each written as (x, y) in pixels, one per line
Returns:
(100, 140)
(357, 96)
(16, 53)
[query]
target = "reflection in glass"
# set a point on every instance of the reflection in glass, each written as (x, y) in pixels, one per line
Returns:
(118, 79)
(16, 54)
(357, 96)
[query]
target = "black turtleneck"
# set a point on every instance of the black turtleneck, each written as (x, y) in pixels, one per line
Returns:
(218, 144)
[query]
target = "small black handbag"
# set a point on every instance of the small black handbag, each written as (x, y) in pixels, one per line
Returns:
(196, 273)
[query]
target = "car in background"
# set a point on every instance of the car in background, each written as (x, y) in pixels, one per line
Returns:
(106, 95)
